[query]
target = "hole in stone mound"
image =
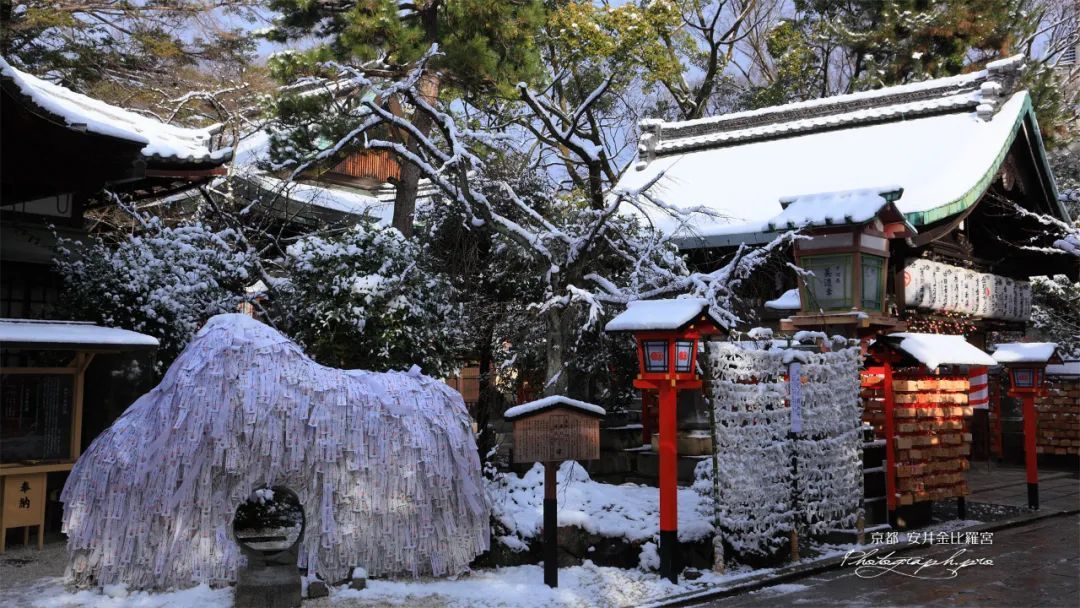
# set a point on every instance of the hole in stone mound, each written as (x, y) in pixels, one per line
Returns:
(270, 521)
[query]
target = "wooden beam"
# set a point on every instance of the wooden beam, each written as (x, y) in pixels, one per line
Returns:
(38, 370)
(81, 362)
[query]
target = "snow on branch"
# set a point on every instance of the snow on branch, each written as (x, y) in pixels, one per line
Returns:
(571, 238)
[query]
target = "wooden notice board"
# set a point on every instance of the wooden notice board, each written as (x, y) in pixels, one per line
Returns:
(555, 435)
(36, 416)
(23, 504)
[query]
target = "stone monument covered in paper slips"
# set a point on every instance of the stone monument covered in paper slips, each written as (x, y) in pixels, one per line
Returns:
(384, 464)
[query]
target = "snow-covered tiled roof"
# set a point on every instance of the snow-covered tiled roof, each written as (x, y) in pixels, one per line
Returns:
(833, 208)
(934, 350)
(659, 315)
(375, 205)
(1024, 352)
(71, 335)
(548, 403)
(77, 111)
(940, 140)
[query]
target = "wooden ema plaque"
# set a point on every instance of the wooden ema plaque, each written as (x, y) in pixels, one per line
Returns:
(556, 434)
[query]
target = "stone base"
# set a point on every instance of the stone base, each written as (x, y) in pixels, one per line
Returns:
(268, 587)
(690, 443)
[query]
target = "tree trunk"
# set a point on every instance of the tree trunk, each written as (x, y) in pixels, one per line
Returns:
(556, 382)
(488, 400)
(407, 186)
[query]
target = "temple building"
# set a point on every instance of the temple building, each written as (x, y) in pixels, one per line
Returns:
(916, 208)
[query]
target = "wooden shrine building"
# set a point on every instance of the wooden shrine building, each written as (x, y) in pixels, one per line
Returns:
(914, 205)
(61, 382)
(61, 151)
(909, 193)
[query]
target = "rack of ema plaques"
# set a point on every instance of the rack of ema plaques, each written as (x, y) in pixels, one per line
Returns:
(932, 441)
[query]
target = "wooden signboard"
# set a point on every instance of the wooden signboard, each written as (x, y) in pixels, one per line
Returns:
(551, 430)
(555, 435)
(23, 504)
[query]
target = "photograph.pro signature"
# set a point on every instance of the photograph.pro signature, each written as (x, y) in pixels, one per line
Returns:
(873, 563)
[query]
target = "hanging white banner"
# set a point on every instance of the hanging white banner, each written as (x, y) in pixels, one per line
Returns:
(941, 287)
(795, 395)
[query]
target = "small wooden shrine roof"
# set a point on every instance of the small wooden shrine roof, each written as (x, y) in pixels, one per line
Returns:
(934, 350)
(549, 403)
(70, 335)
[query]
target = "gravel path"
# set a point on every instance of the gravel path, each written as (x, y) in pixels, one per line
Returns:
(20, 565)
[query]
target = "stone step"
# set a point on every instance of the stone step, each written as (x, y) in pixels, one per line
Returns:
(620, 418)
(875, 511)
(620, 437)
(648, 467)
(873, 483)
(873, 457)
(613, 462)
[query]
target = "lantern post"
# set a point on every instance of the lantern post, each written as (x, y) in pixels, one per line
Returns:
(1026, 363)
(667, 333)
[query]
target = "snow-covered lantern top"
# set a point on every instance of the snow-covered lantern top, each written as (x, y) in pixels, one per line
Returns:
(667, 334)
(1026, 362)
(848, 248)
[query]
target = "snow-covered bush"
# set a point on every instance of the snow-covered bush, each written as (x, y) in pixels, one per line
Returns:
(163, 280)
(364, 299)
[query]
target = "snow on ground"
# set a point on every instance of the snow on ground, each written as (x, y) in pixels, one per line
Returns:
(628, 510)
(587, 585)
(51, 593)
(584, 586)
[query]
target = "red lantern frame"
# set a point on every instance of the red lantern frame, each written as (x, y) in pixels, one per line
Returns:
(679, 372)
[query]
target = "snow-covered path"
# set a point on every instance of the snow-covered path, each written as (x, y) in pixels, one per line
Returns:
(584, 586)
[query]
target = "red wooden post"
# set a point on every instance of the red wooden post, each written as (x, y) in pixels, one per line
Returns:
(667, 334)
(890, 441)
(669, 471)
(1031, 456)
